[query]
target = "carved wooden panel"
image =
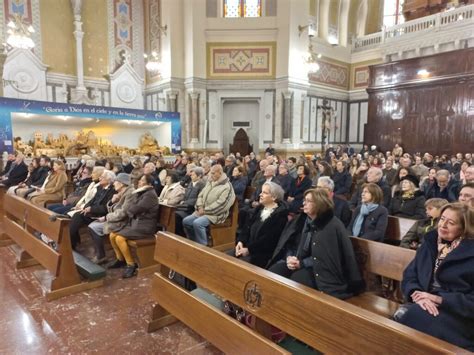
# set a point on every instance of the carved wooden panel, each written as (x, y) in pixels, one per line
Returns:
(434, 113)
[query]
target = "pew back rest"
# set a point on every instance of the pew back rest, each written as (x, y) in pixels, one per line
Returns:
(397, 227)
(166, 217)
(382, 259)
(323, 322)
(35, 217)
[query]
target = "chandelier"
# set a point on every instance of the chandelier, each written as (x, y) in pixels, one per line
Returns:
(19, 34)
(153, 62)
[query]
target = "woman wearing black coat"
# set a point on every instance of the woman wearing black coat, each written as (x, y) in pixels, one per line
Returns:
(370, 219)
(324, 258)
(260, 235)
(298, 188)
(142, 223)
(408, 202)
(439, 282)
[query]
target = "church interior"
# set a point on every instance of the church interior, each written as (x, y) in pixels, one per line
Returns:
(247, 94)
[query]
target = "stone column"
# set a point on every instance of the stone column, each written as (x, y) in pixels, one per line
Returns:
(362, 18)
(79, 94)
(324, 19)
(343, 22)
(286, 124)
(3, 57)
(194, 116)
(172, 97)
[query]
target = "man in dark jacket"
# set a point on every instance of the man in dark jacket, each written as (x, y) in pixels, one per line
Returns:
(374, 175)
(341, 207)
(186, 206)
(96, 207)
(443, 187)
(17, 172)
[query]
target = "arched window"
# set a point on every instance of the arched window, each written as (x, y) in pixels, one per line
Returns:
(393, 12)
(242, 8)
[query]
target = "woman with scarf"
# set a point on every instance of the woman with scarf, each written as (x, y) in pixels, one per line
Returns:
(298, 187)
(439, 282)
(370, 219)
(409, 201)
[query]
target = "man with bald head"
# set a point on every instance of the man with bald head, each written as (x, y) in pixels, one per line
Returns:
(212, 206)
(374, 175)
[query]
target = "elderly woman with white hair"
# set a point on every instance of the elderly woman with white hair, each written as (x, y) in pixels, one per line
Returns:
(95, 208)
(259, 237)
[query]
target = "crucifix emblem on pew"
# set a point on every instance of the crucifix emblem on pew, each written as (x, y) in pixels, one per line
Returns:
(252, 295)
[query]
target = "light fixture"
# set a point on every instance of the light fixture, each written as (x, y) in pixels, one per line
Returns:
(311, 60)
(311, 27)
(153, 62)
(332, 40)
(423, 73)
(19, 34)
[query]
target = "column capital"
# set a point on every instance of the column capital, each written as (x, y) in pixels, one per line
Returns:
(287, 95)
(194, 94)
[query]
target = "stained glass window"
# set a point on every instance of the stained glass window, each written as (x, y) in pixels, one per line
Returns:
(242, 8)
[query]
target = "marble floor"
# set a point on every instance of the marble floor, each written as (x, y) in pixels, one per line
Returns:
(110, 319)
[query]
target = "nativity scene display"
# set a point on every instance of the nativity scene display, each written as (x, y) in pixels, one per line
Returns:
(84, 142)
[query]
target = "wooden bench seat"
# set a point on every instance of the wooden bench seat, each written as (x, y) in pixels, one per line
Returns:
(384, 260)
(4, 239)
(222, 236)
(323, 322)
(23, 223)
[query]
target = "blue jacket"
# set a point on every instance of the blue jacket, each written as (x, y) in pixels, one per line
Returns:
(455, 322)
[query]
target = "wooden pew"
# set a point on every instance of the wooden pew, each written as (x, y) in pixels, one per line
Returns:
(397, 227)
(4, 239)
(321, 321)
(222, 236)
(22, 219)
(144, 249)
(385, 260)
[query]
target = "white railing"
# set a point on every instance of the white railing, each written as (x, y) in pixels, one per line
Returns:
(461, 15)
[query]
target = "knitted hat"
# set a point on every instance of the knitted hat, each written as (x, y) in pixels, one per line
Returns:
(123, 178)
(411, 178)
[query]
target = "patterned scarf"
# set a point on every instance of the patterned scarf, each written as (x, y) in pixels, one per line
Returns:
(444, 248)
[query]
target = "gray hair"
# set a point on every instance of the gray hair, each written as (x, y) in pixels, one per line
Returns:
(109, 175)
(275, 190)
(443, 172)
(327, 182)
(198, 171)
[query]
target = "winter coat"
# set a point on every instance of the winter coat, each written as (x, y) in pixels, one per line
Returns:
(79, 191)
(261, 238)
(374, 225)
(53, 189)
(342, 210)
(239, 184)
(413, 207)
(297, 192)
(450, 192)
(98, 204)
(455, 322)
(417, 233)
(285, 182)
(342, 183)
(216, 198)
(172, 194)
(186, 207)
(117, 216)
(328, 252)
(17, 175)
(142, 214)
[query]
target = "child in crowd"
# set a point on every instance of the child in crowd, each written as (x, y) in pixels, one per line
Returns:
(414, 237)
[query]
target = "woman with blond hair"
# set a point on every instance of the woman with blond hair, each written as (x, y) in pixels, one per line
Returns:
(53, 186)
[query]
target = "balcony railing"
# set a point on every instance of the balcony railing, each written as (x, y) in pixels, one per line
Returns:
(461, 15)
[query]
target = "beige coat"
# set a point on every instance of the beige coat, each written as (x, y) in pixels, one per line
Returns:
(53, 189)
(172, 194)
(217, 197)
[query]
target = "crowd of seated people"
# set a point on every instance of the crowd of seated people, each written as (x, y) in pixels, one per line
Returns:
(295, 202)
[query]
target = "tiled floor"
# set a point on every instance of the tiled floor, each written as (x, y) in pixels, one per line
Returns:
(110, 319)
